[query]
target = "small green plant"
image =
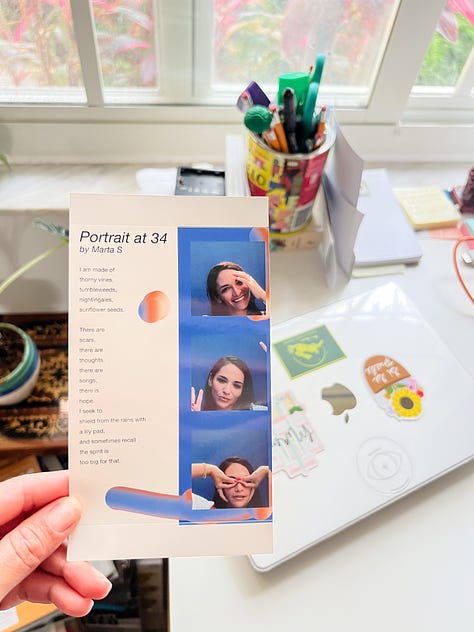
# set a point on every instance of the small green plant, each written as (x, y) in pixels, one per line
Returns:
(60, 231)
(4, 160)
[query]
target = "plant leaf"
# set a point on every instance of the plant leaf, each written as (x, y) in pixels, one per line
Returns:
(60, 231)
(4, 159)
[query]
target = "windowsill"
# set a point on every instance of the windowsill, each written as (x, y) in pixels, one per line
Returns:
(164, 143)
(47, 187)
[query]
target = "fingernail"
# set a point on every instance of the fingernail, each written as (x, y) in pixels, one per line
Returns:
(103, 579)
(64, 513)
(107, 584)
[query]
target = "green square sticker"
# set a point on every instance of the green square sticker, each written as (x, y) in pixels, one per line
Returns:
(308, 351)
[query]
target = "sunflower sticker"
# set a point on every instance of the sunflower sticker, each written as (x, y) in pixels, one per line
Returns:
(394, 389)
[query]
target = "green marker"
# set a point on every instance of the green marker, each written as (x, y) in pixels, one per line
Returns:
(298, 82)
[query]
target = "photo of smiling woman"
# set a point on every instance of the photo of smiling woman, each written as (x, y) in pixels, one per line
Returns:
(228, 278)
(229, 386)
(233, 292)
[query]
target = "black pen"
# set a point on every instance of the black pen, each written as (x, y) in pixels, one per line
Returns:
(289, 119)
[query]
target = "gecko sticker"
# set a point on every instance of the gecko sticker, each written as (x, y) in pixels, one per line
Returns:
(394, 389)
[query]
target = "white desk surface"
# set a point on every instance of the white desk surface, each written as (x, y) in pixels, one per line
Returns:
(406, 568)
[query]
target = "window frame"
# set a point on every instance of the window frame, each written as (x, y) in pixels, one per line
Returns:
(396, 125)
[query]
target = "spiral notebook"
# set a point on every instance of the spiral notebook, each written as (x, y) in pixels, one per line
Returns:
(353, 413)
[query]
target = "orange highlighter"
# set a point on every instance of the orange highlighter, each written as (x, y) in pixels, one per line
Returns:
(278, 129)
(271, 138)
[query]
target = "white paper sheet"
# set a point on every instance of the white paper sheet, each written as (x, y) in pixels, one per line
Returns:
(141, 336)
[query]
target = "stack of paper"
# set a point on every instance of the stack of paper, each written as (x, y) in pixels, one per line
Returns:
(236, 183)
(385, 235)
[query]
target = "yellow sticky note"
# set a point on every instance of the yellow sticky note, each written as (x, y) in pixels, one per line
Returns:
(427, 207)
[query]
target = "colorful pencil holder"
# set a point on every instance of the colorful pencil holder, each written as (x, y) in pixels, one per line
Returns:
(290, 181)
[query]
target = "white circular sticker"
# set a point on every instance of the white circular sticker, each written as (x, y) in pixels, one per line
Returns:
(384, 465)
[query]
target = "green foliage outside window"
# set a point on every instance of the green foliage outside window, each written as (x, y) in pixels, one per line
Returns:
(252, 39)
(445, 59)
(38, 46)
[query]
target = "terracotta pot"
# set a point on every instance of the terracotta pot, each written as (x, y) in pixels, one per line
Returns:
(19, 364)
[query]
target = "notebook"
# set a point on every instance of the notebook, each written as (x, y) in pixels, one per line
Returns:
(359, 389)
(385, 235)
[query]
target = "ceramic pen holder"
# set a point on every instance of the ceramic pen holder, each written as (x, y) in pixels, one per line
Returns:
(19, 365)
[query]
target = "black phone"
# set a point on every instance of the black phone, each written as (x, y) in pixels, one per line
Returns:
(194, 181)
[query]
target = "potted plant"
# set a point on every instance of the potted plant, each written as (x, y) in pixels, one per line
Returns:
(19, 357)
(19, 364)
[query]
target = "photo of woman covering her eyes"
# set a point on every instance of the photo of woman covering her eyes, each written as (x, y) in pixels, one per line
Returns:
(243, 493)
(233, 292)
(236, 484)
(229, 386)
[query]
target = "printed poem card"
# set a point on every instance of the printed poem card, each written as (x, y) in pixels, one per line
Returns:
(169, 376)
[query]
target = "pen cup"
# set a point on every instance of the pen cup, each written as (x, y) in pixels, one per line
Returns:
(290, 181)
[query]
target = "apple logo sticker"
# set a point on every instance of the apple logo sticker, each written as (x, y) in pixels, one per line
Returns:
(340, 398)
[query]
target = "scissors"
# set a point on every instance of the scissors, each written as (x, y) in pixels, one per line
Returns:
(312, 95)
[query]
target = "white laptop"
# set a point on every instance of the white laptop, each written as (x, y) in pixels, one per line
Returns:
(369, 404)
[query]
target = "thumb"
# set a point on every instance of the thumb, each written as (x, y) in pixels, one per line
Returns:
(31, 542)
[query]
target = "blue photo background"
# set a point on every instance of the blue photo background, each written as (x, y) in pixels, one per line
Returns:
(204, 255)
(211, 436)
(248, 440)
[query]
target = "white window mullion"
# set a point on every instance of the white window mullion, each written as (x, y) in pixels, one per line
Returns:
(406, 49)
(86, 43)
(175, 52)
(465, 84)
(203, 48)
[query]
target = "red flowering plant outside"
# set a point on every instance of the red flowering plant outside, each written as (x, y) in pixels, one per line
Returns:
(38, 47)
(257, 39)
(451, 45)
(247, 36)
(126, 42)
(448, 25)
(260, 39)
(264, 38)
